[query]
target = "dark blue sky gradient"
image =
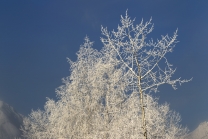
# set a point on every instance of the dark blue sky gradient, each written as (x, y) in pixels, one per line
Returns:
(36, 36)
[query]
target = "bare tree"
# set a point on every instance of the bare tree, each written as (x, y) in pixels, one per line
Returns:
(107, 92)
(144, 62)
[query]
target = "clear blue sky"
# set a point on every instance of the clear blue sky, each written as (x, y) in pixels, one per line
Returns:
(36, 36)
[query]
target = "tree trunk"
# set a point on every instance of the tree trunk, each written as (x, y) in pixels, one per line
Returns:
(142, 108)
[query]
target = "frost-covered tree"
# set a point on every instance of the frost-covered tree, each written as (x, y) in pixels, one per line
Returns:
(107, 95)
(144, 62)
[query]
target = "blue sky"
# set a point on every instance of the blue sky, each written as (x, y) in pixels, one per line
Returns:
(36, 37)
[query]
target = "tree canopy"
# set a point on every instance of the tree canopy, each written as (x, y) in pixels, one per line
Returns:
(108, 92)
